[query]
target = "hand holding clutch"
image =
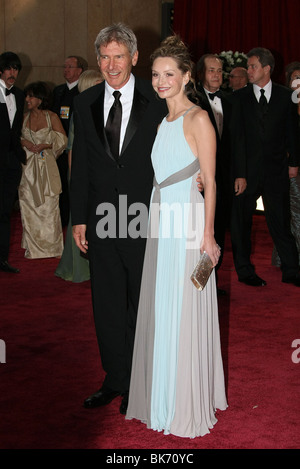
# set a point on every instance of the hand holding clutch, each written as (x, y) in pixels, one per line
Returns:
(202, 271)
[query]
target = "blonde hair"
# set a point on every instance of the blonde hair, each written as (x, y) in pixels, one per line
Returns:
(89, 78)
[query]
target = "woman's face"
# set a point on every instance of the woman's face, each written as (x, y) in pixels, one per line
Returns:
(167, 79)
(32, 102)
(295, 80)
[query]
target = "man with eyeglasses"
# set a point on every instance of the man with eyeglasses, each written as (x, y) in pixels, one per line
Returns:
(238, 78)
(11, 151)
(63, 96)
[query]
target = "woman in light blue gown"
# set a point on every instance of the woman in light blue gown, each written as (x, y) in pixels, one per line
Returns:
(177, 380)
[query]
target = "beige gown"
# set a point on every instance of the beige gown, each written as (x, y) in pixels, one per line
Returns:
(39, 191)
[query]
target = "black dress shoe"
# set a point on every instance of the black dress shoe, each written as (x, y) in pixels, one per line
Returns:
(124, 404)
(253, 280)
(5, 267)
(295, 279)
(100, 398)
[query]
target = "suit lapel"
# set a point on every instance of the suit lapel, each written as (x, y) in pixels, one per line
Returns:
(19, 110)
(139, 106)
(97, 113)
(208, 108)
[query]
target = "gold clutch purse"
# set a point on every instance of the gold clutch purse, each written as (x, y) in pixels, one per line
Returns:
(202, 271)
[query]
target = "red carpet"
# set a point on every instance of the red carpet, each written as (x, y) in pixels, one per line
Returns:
(52, 363)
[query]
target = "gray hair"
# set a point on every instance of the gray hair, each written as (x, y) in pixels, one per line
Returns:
(119, 33)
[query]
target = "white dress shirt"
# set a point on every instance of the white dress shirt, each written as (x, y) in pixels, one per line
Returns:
(10, 101)
(267, 88)
(72, 85)
(126, 100)
(216, 105)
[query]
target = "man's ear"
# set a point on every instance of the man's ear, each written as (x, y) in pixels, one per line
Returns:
(135, 58)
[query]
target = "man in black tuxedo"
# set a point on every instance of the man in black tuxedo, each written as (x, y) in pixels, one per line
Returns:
(218, 106)
(108, 179)
(63, 96)
(265, 155)
(11, 151)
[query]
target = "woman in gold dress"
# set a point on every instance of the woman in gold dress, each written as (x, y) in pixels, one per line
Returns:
(43, 139)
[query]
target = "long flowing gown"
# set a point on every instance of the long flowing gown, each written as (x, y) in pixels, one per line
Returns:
(72, 267)
(177, 379)
(39, 191)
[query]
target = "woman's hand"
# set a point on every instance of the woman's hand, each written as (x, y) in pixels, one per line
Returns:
(210, 246)
(41, 146)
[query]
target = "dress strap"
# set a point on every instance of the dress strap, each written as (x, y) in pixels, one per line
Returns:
(189, 109)
(48, 120)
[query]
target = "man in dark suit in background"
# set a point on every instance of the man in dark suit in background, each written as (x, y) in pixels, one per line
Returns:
(218, 106)
(238, 78)
(265, 155)
(106, 176)
(63, 96)
(11, 151)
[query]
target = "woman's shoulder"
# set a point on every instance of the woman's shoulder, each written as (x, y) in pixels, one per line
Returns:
(198, 114)
(52, 114)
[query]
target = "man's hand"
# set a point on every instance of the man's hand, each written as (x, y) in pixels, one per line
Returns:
(79, 232)
(240, 185)
(200, 183)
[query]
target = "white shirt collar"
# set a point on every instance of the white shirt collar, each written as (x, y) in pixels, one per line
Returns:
(72, 85)
(267, 88)
(126, 90)
(210, 92)
(3, 87)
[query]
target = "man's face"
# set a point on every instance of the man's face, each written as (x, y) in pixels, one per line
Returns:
(236, 80)
(9, 76)
(71, 71)
(115, 63)
(213, 74)
(257, 74)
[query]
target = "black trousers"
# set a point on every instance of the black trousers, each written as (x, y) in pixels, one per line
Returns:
(116, 269)
(9, 181)
(277, 213)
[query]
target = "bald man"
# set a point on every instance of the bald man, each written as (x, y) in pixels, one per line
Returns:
(238, 78)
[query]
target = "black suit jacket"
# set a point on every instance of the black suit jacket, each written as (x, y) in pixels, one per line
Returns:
(95, 176)
(223, 156)
(62, 96)
(263, 159)
(12, 153)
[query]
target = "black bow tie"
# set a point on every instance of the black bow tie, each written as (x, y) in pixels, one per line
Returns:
(8, 91)
(212, 95)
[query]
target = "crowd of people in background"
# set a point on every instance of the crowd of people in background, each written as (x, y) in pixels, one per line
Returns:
(222, 147)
